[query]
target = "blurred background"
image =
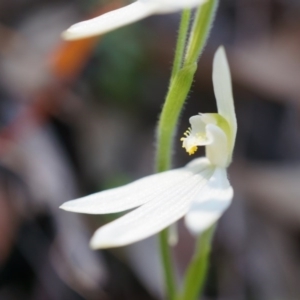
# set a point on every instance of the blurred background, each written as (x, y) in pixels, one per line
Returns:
(80, 117)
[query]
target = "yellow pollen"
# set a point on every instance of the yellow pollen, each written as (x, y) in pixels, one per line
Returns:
(192, 150)
(186, 134)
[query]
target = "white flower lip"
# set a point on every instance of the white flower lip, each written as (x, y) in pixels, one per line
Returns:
(126, 15)
(215, 131)
(197, 134)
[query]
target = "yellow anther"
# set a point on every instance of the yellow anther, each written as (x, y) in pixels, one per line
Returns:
(192, 150)
(187, 135)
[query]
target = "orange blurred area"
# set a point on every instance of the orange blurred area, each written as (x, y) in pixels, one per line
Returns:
(69, 58)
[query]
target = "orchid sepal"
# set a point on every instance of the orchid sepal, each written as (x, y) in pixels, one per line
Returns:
(126, 15)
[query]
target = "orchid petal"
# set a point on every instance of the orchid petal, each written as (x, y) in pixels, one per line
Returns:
(223, 92)
(164, 209)
(217, 149)
(169, 6)
(210, 203)
(126, 15)
(111, 20)
(131, 195)
(197, 124)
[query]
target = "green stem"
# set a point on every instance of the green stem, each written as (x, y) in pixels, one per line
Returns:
(180, 84)
(200, 30)
(194, 279)
(166, 257)
(181, 41)
(163, 161)
(178, 91)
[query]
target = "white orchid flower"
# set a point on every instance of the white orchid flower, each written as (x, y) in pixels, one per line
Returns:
(128, 14)
(200, 191)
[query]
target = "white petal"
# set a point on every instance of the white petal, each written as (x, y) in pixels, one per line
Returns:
(126, 15)
(128, 196)
(188, 3)
(169, 6)
(210, 118)
(217, 149)
(133, 194)
(197, 124)
(164, 209)
(223, 91)
(111, 20)
(209, 205)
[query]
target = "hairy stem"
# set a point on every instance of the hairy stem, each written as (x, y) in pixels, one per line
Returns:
(180, 83)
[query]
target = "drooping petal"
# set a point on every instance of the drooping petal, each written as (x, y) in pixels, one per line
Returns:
(164, 209)
(133, 194)
(111, 20)
(169, 6)
(210, 203)
(223, 92)
(126, 15)
(217, 149)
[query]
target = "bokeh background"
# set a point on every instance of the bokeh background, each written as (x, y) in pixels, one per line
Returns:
(80, 117)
